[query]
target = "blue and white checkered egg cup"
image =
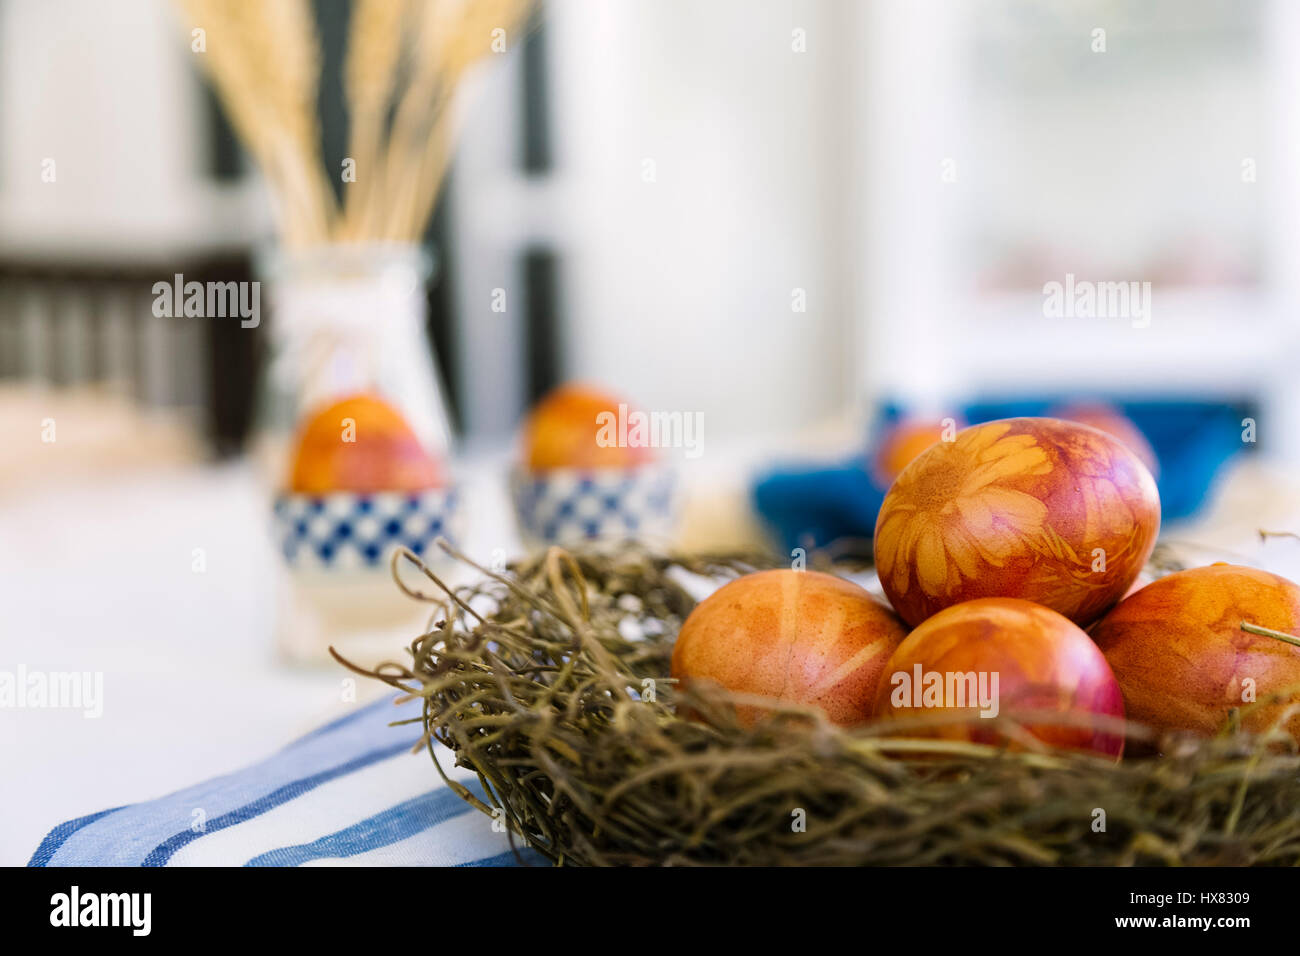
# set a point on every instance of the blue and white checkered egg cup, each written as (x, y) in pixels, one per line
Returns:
(349, 531)
(570, 507)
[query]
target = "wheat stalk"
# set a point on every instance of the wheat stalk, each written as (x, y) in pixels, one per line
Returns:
(263, 58)
(264, 61)
(233, 76)
(376, 43)
(291, 49)
(452, 36)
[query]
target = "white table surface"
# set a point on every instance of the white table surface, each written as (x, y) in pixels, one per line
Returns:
(96, 575)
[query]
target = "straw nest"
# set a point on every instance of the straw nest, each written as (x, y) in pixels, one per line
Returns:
(550, 681)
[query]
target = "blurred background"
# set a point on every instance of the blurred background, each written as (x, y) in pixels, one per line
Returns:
(804, 221)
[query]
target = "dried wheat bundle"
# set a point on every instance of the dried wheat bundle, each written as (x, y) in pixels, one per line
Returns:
(405, 61)
(549, 682)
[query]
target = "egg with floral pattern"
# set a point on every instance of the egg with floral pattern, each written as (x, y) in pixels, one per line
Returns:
(1049, 511)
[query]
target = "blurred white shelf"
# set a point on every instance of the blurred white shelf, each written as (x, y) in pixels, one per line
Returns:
(1209, 342)
(208, 218)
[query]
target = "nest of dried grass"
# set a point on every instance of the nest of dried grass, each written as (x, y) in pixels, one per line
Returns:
(550, 681)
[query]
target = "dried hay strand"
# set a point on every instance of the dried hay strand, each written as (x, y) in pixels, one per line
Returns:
(550, 682)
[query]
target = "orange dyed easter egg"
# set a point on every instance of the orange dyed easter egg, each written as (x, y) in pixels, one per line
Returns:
(796, 636)
(361, 444)
(1035, 508)
(1183, 660)
(997, 656)
(903, 443)
(577, 426)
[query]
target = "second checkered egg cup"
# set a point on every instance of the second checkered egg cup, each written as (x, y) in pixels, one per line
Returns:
(354, 531)
(574, 506)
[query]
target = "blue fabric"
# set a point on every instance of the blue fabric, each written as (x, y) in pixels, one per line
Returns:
(396, 823)
(818, 504)
(356, 747)
(60, 834)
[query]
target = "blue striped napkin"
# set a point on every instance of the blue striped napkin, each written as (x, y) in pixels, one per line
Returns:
(349, 793)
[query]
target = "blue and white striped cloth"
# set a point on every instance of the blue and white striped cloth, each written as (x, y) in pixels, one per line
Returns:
(349, 793)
